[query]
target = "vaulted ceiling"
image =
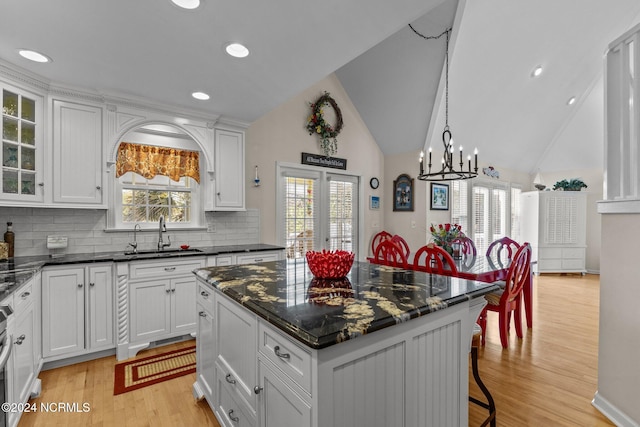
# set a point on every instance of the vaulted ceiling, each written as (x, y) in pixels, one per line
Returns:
(153, 50)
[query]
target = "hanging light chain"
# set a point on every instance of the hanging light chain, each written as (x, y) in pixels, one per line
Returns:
(447, 172)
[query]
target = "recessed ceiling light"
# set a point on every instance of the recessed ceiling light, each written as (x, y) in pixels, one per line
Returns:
(537, 71)
(200, 95)
(237, 50)
(571, 100)
(32, 55)
(187, 4)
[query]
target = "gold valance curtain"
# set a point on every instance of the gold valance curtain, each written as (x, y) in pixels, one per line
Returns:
(149, 161)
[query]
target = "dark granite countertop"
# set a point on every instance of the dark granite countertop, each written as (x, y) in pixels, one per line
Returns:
(321, 312)
(16, 271)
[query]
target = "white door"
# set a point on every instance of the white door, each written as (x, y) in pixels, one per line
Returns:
(317, 210)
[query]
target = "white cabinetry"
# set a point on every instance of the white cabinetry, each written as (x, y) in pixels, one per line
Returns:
(162, 307)
(77, 310)
(24, 331)
(160, 301)
(229, 179)
(393, 377)
(77, 154)
(554, 223)
(22, 131)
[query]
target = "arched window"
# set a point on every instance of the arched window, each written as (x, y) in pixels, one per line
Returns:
(157, 173)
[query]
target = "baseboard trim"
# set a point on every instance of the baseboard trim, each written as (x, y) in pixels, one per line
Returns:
(616, 416)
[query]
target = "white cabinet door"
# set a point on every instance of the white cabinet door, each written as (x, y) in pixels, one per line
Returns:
(206, 355)
(280, 406)
(22, 154)
(150, 309)
(236, 343)
(62, 311)
(229, 173)
(100, 307)
(183, 313)
(23, 349)
(77, 151)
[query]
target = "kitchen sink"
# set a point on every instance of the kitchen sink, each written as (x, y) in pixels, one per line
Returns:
(164, 251)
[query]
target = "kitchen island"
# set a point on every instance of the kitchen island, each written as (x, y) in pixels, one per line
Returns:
(381, 347)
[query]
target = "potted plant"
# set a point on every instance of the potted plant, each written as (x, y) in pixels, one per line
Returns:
(573, 184)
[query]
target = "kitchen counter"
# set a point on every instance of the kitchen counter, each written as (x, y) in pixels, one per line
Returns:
(321, 313)
(15, 271)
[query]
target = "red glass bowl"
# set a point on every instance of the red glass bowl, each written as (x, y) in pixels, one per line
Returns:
(330, 264)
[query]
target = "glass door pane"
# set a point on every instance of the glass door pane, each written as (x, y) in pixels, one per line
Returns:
(343, 213)
(301, 220)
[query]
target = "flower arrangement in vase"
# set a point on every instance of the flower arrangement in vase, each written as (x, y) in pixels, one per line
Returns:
(444, 234)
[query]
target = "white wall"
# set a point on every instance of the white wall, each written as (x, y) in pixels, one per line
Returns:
(280, 135)
(619, 346)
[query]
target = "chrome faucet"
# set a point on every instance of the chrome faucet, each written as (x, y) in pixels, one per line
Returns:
(134, 244)
(162, 228)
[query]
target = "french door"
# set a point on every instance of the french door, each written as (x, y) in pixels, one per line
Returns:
(486, 210)
(317, 210)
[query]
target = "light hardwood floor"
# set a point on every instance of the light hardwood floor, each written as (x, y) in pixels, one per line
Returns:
(546, 379)
(550, 376)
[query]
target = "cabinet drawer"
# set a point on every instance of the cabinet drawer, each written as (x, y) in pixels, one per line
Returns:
(257, 257)
(184, 266)
(24, 296)
(573, 264)
(573, 253)
(227, 379)
(222, 260)
(549, 265)
(231, 412)
(205, 297)
(289, 357)
(550, 253)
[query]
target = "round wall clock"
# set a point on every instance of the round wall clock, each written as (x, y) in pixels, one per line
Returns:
(374, 183)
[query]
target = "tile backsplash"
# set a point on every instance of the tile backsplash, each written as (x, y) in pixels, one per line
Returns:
(85, 230)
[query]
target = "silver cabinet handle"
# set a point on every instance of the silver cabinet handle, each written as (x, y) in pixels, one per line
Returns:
(20, 339)
(169, 268)
(168, 291)
(230, 379)
(204, 294)
(234, 419)
(202, 314)
(258, 260)
(80, 285)
(91, 284)
(25, 295)
(41, 184)
(257, 389)
(98, 188)
(276, 349)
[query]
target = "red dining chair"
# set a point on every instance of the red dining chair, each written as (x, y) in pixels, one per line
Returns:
(388, 253)
(434, 259)
(503, 249)
(509, 299)
(379, 237)
(467, 247)
(402, 243)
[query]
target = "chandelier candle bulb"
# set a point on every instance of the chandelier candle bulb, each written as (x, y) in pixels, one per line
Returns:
(475, 153)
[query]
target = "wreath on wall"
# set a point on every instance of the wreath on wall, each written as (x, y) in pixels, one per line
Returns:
(316, 124)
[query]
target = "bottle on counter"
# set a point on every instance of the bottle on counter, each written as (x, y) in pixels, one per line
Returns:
(9, 238)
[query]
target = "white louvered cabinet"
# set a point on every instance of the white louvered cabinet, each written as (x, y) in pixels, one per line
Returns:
(555, 223)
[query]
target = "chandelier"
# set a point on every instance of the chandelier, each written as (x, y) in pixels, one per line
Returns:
(447, 171)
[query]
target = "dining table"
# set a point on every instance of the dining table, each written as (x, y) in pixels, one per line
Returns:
(489, 269)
